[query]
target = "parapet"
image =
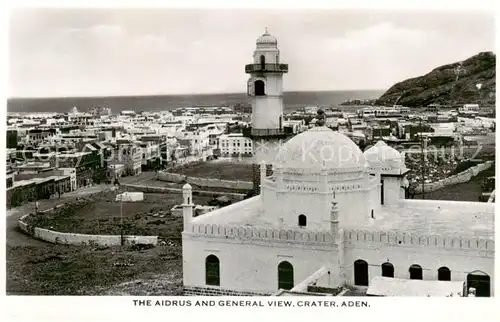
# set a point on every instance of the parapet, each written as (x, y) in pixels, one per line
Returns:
(268, 234)
(354, 236)
(351, 237)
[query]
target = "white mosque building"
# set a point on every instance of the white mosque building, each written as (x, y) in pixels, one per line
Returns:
(330, 216)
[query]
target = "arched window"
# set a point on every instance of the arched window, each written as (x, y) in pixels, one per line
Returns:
(480, 281)
(444, 274)
(360, 273)
(285, 276)
(302, 220)
(415, 272)
(381, 192)
(259, 88)
(262, 62)
(212, 270)
(387, 270)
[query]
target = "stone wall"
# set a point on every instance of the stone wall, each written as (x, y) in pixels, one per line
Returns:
(215, 183)
(184, 164)
(204, 182)
(171, 177)
(350, 236)
(153, 189)
(354, 237)
(262, 234)
(461, 177)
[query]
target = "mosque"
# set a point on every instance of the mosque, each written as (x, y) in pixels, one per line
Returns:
(328, 215)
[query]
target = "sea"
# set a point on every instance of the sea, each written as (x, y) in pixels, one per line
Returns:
(157, 103)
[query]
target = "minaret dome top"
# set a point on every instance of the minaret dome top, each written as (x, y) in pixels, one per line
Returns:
(266, 39)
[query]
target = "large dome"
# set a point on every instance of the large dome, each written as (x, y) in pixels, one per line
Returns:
(382, 155)
(320, 148)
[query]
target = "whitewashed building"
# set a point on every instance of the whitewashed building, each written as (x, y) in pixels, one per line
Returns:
(235, 144)
(344, 215)
(329, 215)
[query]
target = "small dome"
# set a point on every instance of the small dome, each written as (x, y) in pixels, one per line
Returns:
(318, 149)
(382, 155)
(267, 39)
(187, 186)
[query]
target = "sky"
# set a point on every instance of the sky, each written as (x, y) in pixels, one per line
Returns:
(108, 52)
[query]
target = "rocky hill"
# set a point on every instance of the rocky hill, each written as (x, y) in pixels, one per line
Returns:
(454, 84)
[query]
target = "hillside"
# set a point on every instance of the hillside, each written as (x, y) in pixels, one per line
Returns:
(445, 86)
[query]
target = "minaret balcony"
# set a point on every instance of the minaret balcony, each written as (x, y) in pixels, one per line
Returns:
(266, 68)
(266, 133)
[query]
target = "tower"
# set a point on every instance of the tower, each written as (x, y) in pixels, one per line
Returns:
(388, 166)
(187, 205)
(265, 87)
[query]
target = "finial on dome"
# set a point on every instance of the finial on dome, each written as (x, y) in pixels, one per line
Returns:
(266, 32)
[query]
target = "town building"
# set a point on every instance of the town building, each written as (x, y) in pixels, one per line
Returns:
(235, 144)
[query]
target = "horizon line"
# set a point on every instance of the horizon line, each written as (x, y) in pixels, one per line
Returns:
(184, 94)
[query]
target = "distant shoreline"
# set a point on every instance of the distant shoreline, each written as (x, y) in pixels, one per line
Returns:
(154, 103)
(181, 95)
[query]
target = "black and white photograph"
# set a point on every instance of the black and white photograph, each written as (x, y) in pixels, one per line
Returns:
(340, 154)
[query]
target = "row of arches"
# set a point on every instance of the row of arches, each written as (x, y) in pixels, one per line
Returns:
(477, 279)
(212, 273)
(416, 272)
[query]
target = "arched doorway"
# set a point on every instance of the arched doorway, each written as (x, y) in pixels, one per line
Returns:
(444, 274)
(360, 273)
(285, 276)
(480, 281)
(415, 272)
(387, 270)
(259, 88)
(212, 270)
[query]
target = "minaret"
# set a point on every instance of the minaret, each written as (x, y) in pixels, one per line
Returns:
(187, 205)
(265, 87)
(263, 170)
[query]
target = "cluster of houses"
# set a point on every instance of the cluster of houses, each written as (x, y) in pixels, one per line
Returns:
(54, 153)
(398, 125)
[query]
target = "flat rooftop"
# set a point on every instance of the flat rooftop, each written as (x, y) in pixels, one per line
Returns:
(388, 286)
(424, 217)
(244, 213)
(36, 180)
(436, 217)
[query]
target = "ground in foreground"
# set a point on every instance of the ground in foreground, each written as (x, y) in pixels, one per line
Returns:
(74, 270)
